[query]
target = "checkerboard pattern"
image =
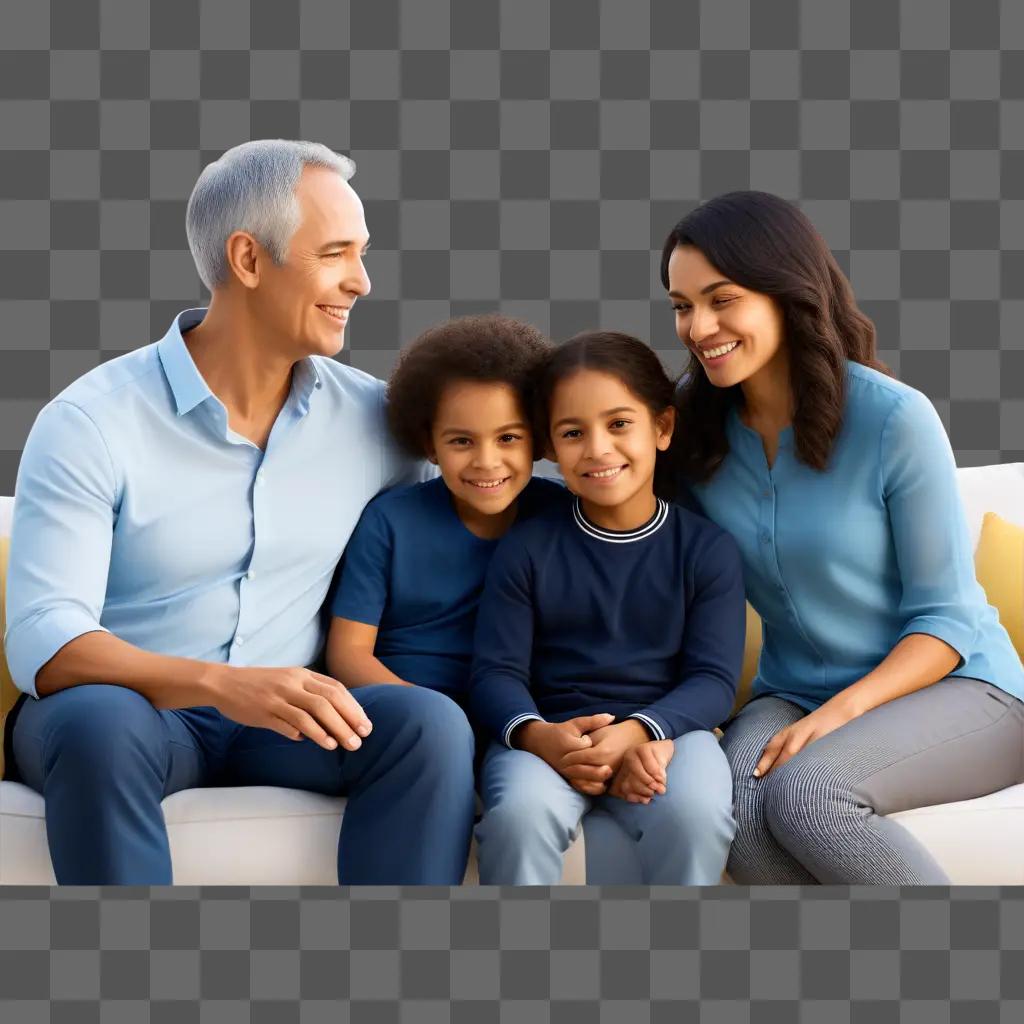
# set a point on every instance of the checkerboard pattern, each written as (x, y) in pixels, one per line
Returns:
(525, 155)
(513, 956)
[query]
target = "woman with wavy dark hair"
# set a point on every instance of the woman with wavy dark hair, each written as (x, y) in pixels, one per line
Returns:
(885, 680)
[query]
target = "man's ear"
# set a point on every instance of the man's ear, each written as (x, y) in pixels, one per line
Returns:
(244, 255)
(665, 425)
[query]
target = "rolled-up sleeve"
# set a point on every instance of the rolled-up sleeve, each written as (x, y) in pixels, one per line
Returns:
(940, 592)
(64, 509)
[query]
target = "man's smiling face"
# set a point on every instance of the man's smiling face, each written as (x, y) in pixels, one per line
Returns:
(307, 300)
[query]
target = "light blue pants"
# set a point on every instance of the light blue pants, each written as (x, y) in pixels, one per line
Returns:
(532, 815)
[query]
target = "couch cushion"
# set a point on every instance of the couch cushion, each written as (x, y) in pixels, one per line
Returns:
(977, 842)
(8, 691)
(992, 489)
(999, 562)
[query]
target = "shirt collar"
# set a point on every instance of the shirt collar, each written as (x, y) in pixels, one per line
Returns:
(187, 383)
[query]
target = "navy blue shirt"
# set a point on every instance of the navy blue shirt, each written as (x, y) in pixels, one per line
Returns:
(577, 620)
(414, 570)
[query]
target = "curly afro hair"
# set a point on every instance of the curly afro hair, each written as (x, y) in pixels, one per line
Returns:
(486, 347)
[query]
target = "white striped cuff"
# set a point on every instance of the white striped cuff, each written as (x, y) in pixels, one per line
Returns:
(655, 729)
(515, 723)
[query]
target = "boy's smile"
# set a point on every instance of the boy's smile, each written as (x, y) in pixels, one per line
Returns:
(482, 443)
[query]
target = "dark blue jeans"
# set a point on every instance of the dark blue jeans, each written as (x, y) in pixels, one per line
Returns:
(103, 758)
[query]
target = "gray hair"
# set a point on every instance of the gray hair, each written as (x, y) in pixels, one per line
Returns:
(251, 188)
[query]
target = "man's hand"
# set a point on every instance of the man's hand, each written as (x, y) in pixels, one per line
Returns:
(294, 702)
(552, 741)
(606, 750)
(643, 772)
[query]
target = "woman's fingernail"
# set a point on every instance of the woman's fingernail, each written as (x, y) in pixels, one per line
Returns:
(364, 729)
(757, 773)
(331, 743)
(353, 743)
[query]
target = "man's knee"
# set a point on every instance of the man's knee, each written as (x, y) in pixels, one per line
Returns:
(96, 726)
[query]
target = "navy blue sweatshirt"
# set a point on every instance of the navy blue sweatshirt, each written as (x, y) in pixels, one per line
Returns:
(577, 620)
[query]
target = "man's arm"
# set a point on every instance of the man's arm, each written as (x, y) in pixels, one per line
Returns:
(66, 501)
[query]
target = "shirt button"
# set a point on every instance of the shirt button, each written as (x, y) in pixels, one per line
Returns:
(765, 538)
(259, 477)
(250, 575)
(239, 640)
(767, 494)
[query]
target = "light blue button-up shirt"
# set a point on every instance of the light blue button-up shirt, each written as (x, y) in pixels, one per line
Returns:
(842, 564)
(140, 512)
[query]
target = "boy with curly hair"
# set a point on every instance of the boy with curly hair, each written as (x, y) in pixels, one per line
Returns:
(405, 606)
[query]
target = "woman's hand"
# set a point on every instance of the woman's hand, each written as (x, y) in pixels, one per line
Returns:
(642, 774)
(790, 741)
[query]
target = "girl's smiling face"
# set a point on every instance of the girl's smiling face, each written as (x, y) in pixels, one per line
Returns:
(483, 445)
(606, 440)
(733, 331)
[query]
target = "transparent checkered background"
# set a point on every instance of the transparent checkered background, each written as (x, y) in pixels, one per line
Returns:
(529, 156)
(771, 955)
(523, 155)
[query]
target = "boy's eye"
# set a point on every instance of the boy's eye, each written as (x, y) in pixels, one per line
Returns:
(571, 435)
(620, 423)
(509, 438)
(460, 441)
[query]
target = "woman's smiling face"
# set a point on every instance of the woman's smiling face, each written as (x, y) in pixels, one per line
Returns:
(733, 331)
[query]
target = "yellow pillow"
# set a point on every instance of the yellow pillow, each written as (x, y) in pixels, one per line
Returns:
(8, 691)
(999, 564)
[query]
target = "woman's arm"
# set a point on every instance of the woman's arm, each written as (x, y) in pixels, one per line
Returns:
(917, 661)
(350, 657)
(940, 597)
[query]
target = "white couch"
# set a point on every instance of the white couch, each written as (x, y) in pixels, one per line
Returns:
(266, 835)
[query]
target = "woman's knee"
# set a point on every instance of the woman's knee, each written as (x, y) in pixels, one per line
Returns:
(806, 798)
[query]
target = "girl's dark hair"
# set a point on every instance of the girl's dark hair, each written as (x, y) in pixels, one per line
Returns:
(487, 347)
(766, 244)
(619, 355)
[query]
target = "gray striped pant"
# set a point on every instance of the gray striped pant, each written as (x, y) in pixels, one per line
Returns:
(820, 816)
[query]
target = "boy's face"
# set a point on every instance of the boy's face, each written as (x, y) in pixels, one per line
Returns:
(483, 445)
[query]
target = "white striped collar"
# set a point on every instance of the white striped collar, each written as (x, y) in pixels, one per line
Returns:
(620, 536)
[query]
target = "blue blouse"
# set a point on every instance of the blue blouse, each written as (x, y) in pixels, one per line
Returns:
(842, 564)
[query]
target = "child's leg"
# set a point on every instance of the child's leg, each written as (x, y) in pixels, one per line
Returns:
(611, 854)
(683, 836)
(531, 815)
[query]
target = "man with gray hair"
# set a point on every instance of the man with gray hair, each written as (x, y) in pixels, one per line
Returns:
(179, 514)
